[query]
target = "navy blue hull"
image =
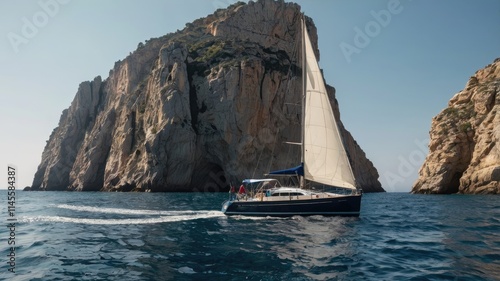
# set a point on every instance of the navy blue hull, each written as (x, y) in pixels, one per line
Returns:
(335, 206)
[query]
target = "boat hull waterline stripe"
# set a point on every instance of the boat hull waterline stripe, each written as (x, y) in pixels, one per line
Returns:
(293, 213)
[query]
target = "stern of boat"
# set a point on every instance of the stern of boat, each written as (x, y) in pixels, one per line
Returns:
(226, 205)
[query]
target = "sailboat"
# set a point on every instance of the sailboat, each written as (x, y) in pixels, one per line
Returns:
(324, 162)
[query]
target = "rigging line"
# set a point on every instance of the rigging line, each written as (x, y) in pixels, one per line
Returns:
(296, 105)
(272, 150)
(293, 60)
(258, 162)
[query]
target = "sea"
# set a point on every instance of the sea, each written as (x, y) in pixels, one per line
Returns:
(184, 236)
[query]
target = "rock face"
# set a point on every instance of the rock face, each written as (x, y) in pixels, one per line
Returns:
(464, 151)
(192, 111)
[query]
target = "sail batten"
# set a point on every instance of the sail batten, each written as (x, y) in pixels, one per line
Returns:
(325, 159)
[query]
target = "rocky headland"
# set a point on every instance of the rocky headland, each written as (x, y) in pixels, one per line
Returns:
(193, 110)
(464, 150)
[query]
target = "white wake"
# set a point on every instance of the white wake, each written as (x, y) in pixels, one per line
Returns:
(152, 216)
(134, 221)
(121, 211)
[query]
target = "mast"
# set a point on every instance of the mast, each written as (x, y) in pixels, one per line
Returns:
(304, 81)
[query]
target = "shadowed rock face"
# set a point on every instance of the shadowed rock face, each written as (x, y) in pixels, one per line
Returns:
(464, 151)
(192, 111)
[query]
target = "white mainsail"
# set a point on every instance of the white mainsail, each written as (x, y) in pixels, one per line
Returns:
(325, 159)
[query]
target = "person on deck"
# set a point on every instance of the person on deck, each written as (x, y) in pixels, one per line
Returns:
(268, 193)
(242, 190)
(232, 193)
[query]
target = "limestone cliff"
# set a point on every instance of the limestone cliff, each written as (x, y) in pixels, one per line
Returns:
(192, 111)
(464, 151)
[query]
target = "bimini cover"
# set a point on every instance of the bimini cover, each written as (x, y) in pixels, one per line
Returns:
(299, 170)
(250, 181)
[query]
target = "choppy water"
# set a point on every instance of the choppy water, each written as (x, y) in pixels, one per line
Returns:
(179, 236)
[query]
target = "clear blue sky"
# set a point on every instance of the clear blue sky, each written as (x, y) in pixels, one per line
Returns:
(390, 81)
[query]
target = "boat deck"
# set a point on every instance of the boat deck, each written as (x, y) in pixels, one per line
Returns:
(263, 197)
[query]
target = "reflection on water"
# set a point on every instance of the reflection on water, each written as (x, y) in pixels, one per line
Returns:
(320, 248)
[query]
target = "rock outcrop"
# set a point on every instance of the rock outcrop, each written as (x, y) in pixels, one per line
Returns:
(192, 111)
(464, 151)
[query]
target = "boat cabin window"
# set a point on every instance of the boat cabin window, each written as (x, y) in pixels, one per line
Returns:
(287, 194)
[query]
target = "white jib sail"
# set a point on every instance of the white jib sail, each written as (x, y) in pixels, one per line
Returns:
(325, 159)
